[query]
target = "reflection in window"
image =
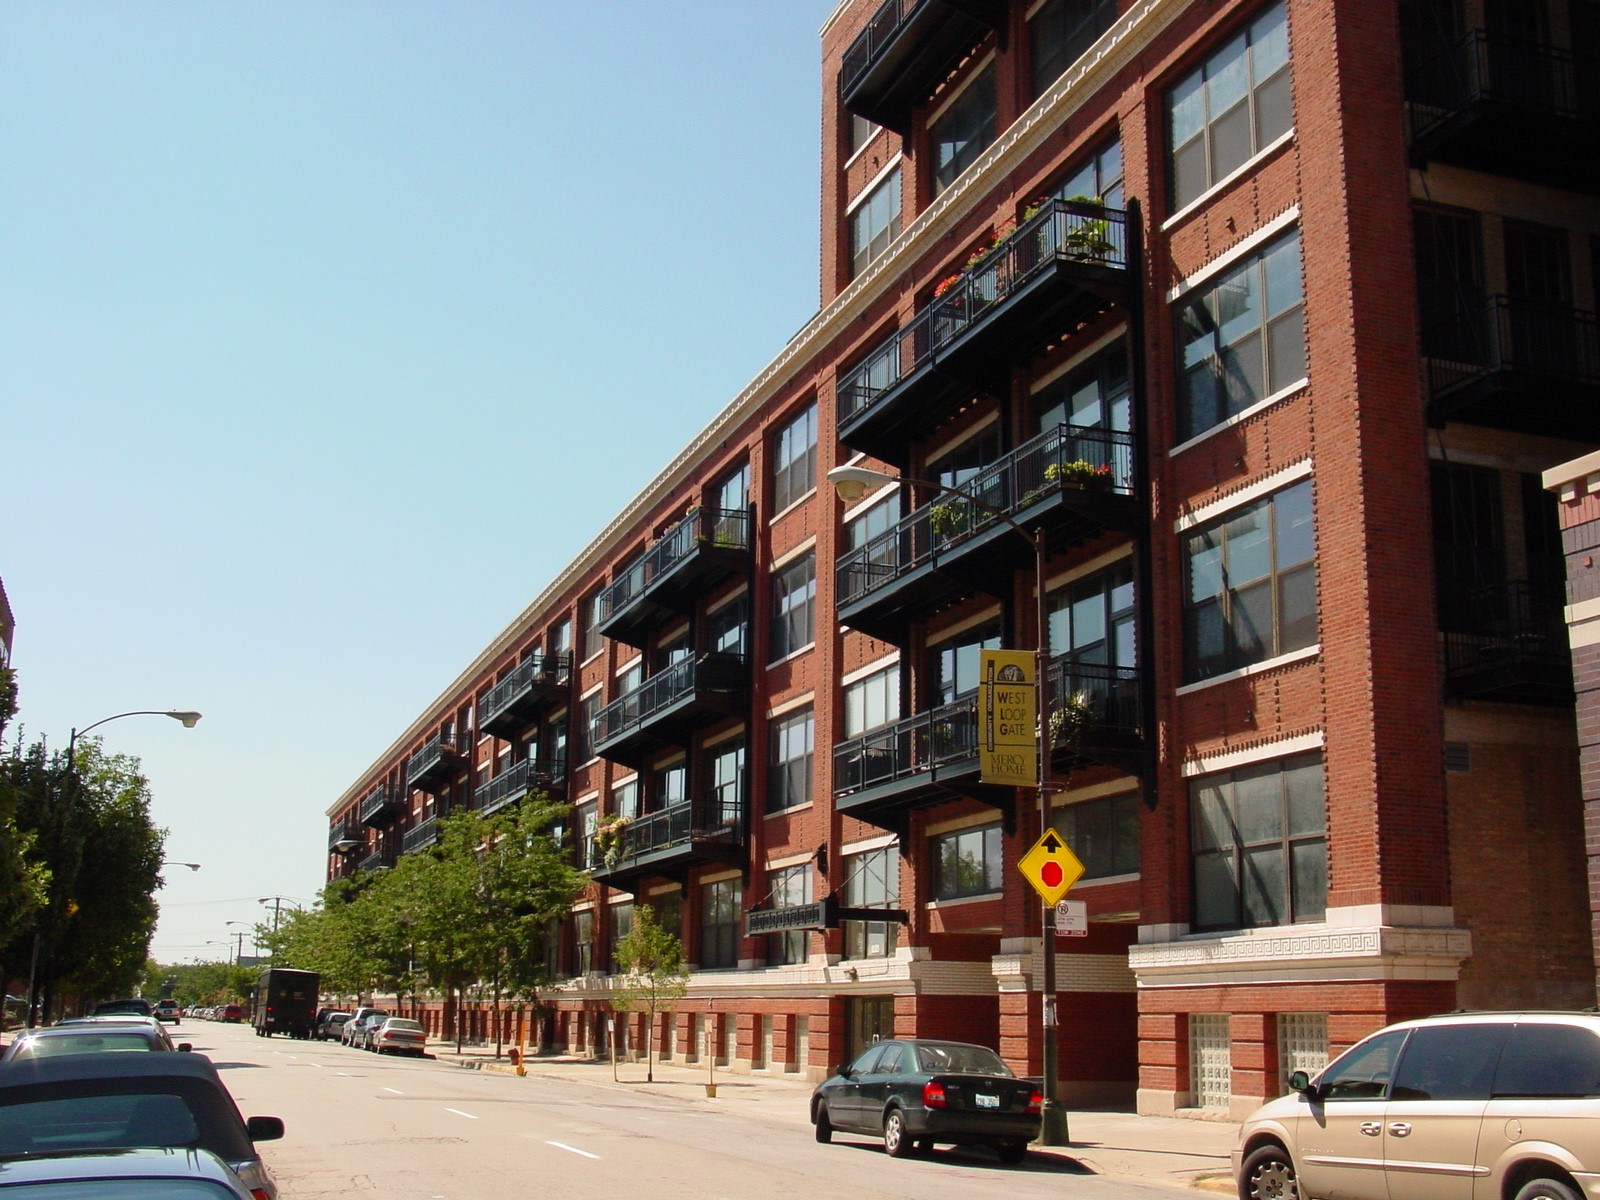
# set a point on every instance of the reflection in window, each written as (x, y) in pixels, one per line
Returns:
(872, 880)
(963, 130)
(967, 863)
(1060, 32)
(874, 223)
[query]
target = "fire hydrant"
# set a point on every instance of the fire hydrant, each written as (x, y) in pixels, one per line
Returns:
(516, 1060)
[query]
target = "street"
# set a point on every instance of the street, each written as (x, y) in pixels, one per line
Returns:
(431, 1130)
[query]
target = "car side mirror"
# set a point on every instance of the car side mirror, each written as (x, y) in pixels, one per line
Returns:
(1301, 1082)
(185, 1047)
(843, 1070)
(264, 1129)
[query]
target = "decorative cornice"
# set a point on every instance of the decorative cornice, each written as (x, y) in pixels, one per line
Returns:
(1323, 954)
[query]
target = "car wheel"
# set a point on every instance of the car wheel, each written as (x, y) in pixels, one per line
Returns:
(895, 1140)
(1011, 1153)
(1268, 1174)
(824, 1127)
(1548, 1189)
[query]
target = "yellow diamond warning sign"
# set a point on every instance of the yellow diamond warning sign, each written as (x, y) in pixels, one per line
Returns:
(1051, 867)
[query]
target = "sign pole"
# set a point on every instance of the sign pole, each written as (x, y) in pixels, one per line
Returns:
(1053, 1123)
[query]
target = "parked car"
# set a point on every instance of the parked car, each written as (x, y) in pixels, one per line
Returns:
(1500, 1103)
(397, 1035)
(361, 1039)
(89, 1037)
(147, 1174)
(231, 1013)
(348, 1033)
(116, 1008)
(119, 1101)
(915, 1094)
(330, 1024)
(167, 1010)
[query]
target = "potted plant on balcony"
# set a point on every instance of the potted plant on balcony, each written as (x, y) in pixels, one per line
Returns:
(1087, 236)
(949, 520)
(1080, 473)
(608, 837)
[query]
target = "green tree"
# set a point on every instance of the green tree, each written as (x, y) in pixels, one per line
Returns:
(654, 977)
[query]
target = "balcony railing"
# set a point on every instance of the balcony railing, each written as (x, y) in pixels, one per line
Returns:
(879, 764)
(671, 703)
(707, 545)
(906, 49)
(1071, 481)
(1114, 735)
(1509, 106)
(378, 859)
(378, 805)
(436, 763)
(345, 836)
(420, 836)
(1509, 643)
(1069, 255)
(516, 781)
(670, 841)
(512, 703)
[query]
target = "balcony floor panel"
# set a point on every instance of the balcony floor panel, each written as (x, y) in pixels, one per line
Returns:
(1502, 138)
(908, 66)
(1522, 402)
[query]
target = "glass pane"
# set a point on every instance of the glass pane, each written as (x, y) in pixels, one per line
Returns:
(1258, 803)
(1281, 267)
(1302, 783)
(1189, 172)
(1230, 141)
(1088, 621)
(1269, 43)
(1200, 399)
(1205, 567)
(1252, 623)
(1127, 836)
(1212, 825)
(1249, 552)
(1292, 527)
(1227, 77)
(1264, 890)
(1310, 880)
(1549, 1060)
(1449, 1062)
(1205, 640)
(1297, 609)
(1216, 898)
(1186, 109)
(1363, 1073)
(1237, 304)
(1286, 349)
(991, 859)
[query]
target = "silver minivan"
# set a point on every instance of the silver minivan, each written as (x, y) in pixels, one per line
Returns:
(1469, 1106)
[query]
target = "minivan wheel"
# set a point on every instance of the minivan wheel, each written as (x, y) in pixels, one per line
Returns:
(1268, 1174)
(1548, 1189)
(895, 1140)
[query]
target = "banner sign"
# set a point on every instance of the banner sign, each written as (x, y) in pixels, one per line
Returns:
(1008, 717)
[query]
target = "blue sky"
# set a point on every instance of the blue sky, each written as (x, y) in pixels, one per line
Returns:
(312, 316)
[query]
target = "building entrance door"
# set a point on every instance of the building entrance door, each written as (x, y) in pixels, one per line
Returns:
(871, 1020)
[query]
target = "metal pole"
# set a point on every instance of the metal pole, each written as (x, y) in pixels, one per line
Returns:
(1053, 1122)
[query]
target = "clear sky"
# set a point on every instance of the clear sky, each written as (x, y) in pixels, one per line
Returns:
(314, 318)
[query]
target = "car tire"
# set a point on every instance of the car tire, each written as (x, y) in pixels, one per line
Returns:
(1268, 1174)
(824, 1127)
(1011, 1153)
(1548, 1189)
(896, 1141)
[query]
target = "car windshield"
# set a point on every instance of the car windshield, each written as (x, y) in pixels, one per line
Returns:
(404, 1023)
(947, 1058)
(86, 1043)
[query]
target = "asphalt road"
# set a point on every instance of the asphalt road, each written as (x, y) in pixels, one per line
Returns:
(407, 1128)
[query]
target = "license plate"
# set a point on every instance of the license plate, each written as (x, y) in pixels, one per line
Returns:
(987, 1101)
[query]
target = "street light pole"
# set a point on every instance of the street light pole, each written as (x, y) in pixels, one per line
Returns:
(851, 482)
(189, 719)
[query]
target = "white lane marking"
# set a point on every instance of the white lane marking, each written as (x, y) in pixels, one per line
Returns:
(571, 1149)
(459, 1113)
(346, 1075)
(387, 1089)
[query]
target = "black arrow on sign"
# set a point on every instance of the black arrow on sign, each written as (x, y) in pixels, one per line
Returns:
(1052, 843)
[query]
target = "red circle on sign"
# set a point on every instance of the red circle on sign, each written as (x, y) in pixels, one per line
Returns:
(1050, 874)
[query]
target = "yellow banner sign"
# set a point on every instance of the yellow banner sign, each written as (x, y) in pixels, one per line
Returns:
(1008, 718)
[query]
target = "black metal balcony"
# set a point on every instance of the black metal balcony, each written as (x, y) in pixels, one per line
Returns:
(1521, 365)
(1062, 264)
(1073, 482)
(377, 860)
(420, 836)
(906, 50)
(1114, 732)
(880, 776)
(439, 761)
(544, 774)
(672, 842)
(706, 547)
(669, 706)
(513, 703)
(379, 806)
(1509, 107)
(1510, 644)
(345, 837)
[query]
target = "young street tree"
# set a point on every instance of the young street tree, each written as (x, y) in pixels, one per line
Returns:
(654, 977)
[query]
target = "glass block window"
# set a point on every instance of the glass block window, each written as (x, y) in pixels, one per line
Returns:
(1210, 1060)
(1259, 837)
(1230, 107)
(1302, 1043)
(963, 130)
(1241, 338)
(874, 223)
(1251, 585)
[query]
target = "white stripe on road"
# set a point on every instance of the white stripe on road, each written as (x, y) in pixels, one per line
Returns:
(571, 1149)
(393, 1090)
(459, 1113)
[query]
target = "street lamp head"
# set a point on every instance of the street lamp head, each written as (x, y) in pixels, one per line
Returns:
(187, 716)
(851, 483)
(191, 866)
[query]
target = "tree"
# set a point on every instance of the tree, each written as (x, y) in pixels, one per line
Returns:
(654, 977)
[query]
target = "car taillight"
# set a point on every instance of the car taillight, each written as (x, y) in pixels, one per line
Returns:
(1036, 1101)
(260, 1194)
(933, 1095)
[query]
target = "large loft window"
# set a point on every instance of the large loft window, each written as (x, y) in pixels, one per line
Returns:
(1241, 337)
(793, 748)
(1230, 107)
(873, 701)
(877, 519)
(871, 880)
(963, 130)
(729, 628)
(1092, 620)
(1251, 591)
(1260, 845)
(874, 223)
(1092, 395)
(794, 455)
(1099, 177)
(790, 888)
(720, 905)
(794, 607)
(967, 863)
(954, 662)
(1060, 32)
(1103, 833)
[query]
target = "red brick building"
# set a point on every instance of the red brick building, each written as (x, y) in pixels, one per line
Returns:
(1266, 317)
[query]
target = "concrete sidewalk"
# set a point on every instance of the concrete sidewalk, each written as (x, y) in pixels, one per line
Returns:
(1179, 1151)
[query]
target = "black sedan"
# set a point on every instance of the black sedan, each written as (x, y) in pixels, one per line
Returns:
(84, 1103)
(916, 1094)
